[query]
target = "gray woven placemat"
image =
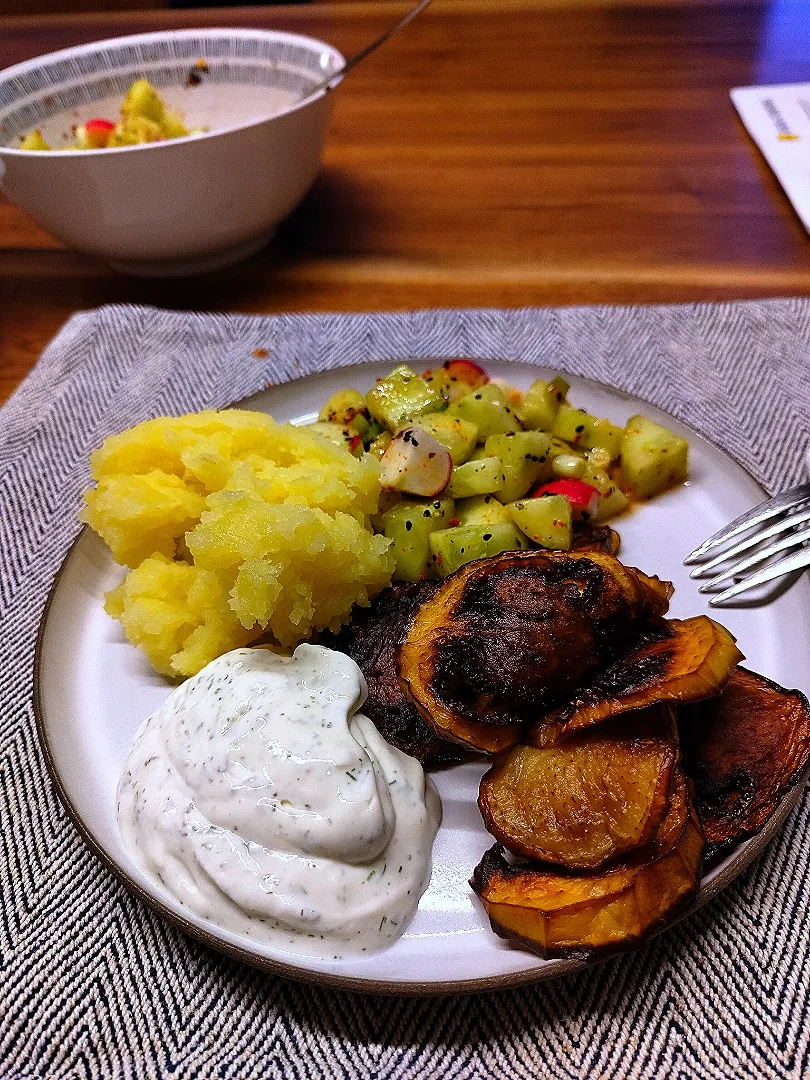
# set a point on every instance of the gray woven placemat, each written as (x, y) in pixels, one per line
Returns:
(93, 985)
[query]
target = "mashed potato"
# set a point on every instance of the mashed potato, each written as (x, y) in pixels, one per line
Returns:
(234, 527)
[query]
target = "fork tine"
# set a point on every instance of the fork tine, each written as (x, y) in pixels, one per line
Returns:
(798, 561)
(794, 498)
(791, 541)
(703, 569)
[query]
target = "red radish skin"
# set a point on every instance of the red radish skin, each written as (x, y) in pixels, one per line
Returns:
(96, 133)
(584, 498)
(467, 372)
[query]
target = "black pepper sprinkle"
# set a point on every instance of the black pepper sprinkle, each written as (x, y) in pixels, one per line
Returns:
(408, 526)
(487, 536)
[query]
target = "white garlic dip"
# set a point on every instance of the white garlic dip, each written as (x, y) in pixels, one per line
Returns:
(262, 799)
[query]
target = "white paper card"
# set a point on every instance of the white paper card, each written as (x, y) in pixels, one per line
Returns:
(778, 120)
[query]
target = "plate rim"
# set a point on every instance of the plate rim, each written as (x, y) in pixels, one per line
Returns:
(740, 858)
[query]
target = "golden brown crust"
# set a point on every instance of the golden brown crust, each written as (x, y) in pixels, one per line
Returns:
(589, 915)
(587, 800)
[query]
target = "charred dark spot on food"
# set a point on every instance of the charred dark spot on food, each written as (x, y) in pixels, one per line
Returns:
(744, 750)
(639, 667)
(531, 590)
(372, 639)
(522, 632)
(589, 537)
(510, 675)
(493, 862)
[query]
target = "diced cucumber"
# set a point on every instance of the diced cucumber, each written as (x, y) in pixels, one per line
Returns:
(599, 458)
(142, 100)
(409, 525)
(400, 397)
(487, 408)
(546, 520)
(597, 478)
(479, 477)
(340, 436)
(456, 435)
(172, 125)
(481, 510)
(380, 444)
(542, 402)
(134, 130)
(525, 459)
(611, 503)
(438, 380)
(478, 454)
(653, 458)
(514, 397)
(452, 548)
(347, 408)
(34, 141)
(580, 428)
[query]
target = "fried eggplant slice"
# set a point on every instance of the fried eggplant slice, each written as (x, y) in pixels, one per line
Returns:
(507, 638)
(559, 913)
(744, 750)
(589, 799)
(677, 660)
(372, 639)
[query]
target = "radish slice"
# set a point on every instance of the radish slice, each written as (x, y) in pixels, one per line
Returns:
(95, 134)
(584, 498)
(415, 463)
(467, 372)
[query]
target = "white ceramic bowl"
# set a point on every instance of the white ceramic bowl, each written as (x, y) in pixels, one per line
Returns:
(181, 206)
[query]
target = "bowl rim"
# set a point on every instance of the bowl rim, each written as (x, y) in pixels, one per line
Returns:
(25, 66)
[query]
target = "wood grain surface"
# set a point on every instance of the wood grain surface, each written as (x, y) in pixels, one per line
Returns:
(499, 152)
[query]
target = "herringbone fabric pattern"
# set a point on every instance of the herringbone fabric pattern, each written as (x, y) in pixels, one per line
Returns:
(92, 985)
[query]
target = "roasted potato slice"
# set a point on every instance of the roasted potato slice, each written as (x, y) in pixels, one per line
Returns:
(505, 639)
(563, 914)
(673, 660)
(744, 750)
(588, 799)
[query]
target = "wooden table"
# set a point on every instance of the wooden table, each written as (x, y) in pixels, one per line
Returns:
(499, 152)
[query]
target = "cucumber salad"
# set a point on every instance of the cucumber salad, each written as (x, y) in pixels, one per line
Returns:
(471, 466)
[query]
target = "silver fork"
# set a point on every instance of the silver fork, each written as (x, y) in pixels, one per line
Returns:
(776, 533)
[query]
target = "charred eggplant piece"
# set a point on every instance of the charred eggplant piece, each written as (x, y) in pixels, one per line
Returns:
(744, 750)
(673, 660)
(584, 916)
(507, 638)
(589, 799)
(372, 640)
(596, 538)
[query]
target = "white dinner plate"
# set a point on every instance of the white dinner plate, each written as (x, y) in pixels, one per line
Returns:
(93, 689)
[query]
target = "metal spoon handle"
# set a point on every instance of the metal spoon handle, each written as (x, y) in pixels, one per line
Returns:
(326, 84)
